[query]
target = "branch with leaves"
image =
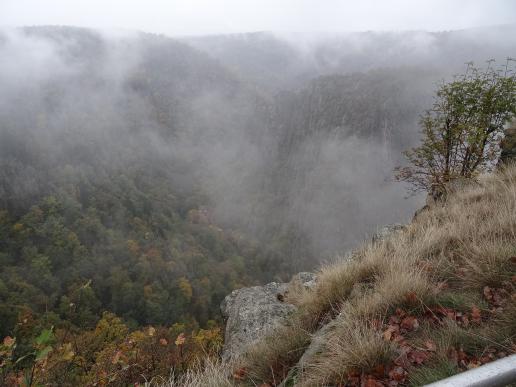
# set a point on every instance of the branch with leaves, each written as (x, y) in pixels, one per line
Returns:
(463, 129)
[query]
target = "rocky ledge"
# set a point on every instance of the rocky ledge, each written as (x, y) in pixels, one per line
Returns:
(251, 312)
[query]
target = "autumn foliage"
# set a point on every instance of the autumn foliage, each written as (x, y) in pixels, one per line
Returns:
(110, 354)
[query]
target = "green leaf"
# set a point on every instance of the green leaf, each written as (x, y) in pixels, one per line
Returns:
(43, 353)
(45, 337)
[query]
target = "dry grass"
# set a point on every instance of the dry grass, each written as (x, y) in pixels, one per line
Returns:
(466, 244)
(353, 345)
(335, 283)
(271, 359)
(208, 373)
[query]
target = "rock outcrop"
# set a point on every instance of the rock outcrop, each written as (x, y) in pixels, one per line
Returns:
(252, 312)
(508, 146)
(386, 231)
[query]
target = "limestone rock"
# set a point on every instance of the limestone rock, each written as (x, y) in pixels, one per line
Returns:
(306, 279)
(251, 313)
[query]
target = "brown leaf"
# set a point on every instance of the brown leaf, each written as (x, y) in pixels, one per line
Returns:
(411, 298)
(418, 357)
(372, 382)
(163, 342)
(240, 373)
(473, 364)
(387, 335)
(410, 323)
(379, 371)
(393, 320)
(397, 373)
(485, 359)
(476, 315)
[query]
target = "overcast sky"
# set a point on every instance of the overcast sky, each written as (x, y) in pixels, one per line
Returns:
(189, 17)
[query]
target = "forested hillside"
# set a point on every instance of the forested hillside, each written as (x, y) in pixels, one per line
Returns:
(146, 177)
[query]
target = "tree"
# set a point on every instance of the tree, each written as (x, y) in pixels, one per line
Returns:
(462, 130)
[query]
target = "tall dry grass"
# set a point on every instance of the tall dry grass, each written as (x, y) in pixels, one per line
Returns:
(467, 243)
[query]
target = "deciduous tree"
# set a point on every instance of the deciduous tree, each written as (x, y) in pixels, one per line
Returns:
(462, 130)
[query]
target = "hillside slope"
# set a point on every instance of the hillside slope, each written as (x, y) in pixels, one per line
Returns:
(432, 300)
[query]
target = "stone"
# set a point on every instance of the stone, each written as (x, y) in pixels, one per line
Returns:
(250, 313)
(508, 146)
(386, 231)
(305, 279)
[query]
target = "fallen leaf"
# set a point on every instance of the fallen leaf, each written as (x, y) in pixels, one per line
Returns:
(418, 357)
(411, 298)
(389, 331)
(393, 320)
(163, 342)
(476, 315)
(379, 371)
(410, 323)
(240, 373)
(397, 373)
(473, 364)
(371, 382)
(151, 331)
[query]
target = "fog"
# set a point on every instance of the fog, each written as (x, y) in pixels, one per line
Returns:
(283, 134)
(200, 17)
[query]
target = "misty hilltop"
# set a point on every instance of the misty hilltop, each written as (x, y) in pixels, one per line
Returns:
(277, 61)
(143, 178)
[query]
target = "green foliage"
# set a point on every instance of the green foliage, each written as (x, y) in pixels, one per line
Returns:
(462, 131)
(120, 244)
